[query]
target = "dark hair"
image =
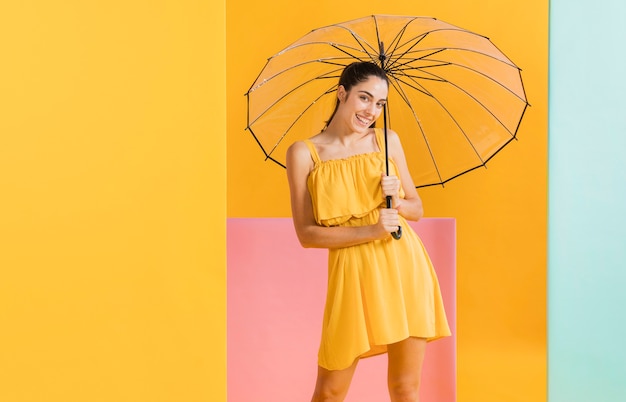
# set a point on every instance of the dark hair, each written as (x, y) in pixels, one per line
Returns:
(355, 73)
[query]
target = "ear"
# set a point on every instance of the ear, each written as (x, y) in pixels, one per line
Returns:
(341, 93)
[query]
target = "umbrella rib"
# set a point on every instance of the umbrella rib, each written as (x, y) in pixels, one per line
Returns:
(459, 126)
(451, 117)
(267, 156)
(351, 55)
(266, 80)
(463, 49)
(442, 182)
(400, 66)
(400, 34)
(328, 91)
(416, 41)
(381, 57)
(406, 100)
(444, 62)
(340, 47)
(395, 43)
(390, 46)
(360, 41)
(456, 29)
(401, 56)
(320, 77)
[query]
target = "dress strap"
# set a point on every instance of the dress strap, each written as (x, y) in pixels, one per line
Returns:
(313, 150)
(380, 138)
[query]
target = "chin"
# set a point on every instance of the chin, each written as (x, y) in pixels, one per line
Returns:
(362, 128)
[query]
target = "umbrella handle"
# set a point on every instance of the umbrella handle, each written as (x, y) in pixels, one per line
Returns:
(396, 235)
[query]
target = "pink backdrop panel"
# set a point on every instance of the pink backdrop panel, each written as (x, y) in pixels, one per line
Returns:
(276, 292)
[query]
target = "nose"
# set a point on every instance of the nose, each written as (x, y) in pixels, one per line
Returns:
(372, 109)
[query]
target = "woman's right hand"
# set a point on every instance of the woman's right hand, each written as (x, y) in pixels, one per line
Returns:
(388, 221)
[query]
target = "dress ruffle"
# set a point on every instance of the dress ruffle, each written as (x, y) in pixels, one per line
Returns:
(354, 180)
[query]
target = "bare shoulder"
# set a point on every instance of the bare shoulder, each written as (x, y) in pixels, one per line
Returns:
(395, 145)
(392, 135)
(297, 149)
(393, 139)
(298, 153)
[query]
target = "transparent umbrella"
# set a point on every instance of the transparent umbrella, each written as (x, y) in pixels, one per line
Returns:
(455, 99)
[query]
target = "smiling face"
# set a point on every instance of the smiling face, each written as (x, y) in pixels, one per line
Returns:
(362, 104)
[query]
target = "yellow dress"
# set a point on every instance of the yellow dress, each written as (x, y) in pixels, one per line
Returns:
(379, 292)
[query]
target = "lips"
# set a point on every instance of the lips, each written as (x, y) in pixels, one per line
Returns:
(363, 121)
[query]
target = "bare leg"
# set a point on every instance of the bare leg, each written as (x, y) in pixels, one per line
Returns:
(405, 369)
(332, 385)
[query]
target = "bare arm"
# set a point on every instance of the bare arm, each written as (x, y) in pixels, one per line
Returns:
(410, 207)
(310, 234)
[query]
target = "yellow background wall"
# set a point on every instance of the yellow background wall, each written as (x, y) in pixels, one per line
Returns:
(112, 236)
(500, 211)
(112, 203)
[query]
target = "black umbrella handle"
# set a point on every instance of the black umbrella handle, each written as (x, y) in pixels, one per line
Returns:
(396, 235)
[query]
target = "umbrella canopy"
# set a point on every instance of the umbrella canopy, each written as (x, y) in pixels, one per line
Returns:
(454, 98)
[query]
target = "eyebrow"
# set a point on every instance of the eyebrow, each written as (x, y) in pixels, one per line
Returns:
(371, 96)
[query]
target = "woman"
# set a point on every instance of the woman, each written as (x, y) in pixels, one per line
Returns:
(383, 295)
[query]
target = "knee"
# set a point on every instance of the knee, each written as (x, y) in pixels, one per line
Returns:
(404, 391)
(327, 394)
(326, 397)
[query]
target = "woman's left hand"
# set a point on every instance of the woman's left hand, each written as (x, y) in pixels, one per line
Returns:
(390, 186)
